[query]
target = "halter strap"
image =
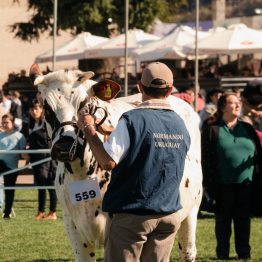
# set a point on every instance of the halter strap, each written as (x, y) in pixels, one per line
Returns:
(66, 123)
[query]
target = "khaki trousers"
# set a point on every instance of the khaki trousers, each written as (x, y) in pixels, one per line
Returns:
(134, 238)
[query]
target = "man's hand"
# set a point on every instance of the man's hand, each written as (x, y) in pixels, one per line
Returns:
(86, 122)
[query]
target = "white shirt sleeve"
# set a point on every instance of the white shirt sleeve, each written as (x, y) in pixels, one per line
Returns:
(118, 143)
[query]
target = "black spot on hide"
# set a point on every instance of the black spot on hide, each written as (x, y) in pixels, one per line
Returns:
(69, 168)
(50, 116)
(96, 213)
(104, 179)
(61, 180)
(85, 245)
(92, 254)
(91, 169)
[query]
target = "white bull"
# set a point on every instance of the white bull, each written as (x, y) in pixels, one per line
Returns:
(64, 93)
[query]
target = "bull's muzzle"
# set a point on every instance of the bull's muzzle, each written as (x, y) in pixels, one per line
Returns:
(61, 150)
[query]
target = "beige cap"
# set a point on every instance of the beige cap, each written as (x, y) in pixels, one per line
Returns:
(155, 71)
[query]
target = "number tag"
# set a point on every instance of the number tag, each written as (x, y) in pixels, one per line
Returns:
(84, 190)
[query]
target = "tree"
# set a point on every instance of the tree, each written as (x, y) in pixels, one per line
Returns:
(92, 16)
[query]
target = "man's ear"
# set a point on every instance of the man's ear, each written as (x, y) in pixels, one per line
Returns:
(140, 87)
(169, 91)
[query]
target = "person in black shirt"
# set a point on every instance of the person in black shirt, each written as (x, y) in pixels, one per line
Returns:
(44, 173)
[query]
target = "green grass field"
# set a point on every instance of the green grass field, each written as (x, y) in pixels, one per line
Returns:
(23, 239)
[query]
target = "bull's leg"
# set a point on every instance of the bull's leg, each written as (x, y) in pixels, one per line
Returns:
(83, 250)
(187, 237)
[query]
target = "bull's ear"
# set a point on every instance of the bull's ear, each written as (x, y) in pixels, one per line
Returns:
(106, 89)
(86, 76)
(34, 72)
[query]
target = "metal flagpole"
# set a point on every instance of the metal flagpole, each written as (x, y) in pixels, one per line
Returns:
(54, 34)
(196, 54)
(126, 46)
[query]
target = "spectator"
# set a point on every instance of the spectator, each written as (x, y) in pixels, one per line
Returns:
(16, 109)
(252, 113)
(44, 173)
(237, 91)
(190, 90)
(115, 74)
(252, 103)
(230, 155)
(2, 170)
(16, 105)
(10, 140)
(211, 104)
(2, 167)
(2, 109)
(143, 202)
(184, 96)
(25, 109)
(5, 103)
(212, 70)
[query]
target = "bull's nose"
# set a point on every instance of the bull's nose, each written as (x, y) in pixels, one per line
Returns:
(60, 150)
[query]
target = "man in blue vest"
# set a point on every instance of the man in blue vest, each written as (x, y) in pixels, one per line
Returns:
(146, 153)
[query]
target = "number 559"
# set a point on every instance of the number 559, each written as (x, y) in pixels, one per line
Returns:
(85, 195)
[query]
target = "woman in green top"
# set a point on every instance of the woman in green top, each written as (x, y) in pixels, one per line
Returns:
(230, 154)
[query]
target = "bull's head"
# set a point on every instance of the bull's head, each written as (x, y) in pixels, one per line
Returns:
(64, 93)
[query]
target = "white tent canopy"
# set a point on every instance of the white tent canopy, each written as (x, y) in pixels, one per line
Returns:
(115, 47)
(236, 39)
(170, 46)
(73, 49)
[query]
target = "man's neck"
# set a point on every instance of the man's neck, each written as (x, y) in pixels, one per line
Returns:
(146, 97)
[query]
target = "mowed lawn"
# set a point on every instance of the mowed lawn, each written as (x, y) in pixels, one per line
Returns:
(23, 239)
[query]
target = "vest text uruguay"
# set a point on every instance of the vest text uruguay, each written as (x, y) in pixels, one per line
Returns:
(162, 140)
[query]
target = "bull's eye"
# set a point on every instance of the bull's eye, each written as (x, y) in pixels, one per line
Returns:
(79, 78)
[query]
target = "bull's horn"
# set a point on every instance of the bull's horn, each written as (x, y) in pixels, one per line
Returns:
(86, 75)
(34, 72)
(39, 80)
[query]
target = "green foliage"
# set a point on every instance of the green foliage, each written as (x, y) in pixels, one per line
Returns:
(92, 16)
(141, 13)
(24, 239)
(76, 16)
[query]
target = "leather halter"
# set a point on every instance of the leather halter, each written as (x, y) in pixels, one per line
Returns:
(66, 123)
(72, 152)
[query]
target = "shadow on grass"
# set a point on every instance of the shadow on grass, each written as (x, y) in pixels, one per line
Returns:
(55, 260)
(26, 200)
(204, 259)
(42, 260)
(199, 259)
(205, 215)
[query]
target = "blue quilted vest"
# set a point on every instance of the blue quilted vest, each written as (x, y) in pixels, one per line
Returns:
(147, 180)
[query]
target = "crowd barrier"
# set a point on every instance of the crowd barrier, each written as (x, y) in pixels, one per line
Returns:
(29, 151)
